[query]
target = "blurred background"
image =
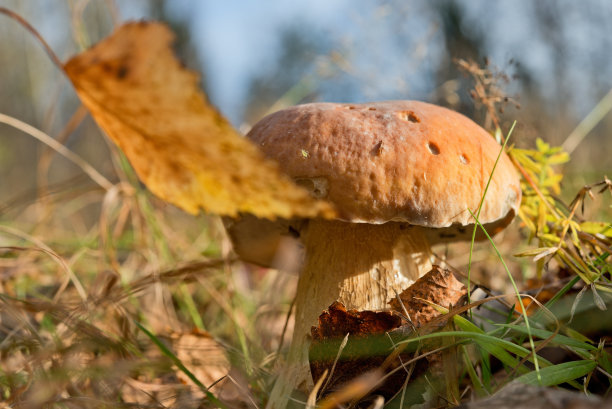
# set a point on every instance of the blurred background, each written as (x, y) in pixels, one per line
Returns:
(553, 58)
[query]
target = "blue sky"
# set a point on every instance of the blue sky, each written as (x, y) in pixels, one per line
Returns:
(238, 39)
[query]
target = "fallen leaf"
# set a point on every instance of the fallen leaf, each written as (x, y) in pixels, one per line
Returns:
(438, 286)
(185, 151)
(337, 322)
(423, 303)
(207, 360)
(202, 356)
(366, 349)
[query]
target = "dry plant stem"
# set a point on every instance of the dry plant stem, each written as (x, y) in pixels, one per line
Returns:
(59, 148)
(360, 265)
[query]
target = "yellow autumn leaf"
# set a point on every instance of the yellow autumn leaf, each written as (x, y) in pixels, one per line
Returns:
(592, 227)
(179, 145)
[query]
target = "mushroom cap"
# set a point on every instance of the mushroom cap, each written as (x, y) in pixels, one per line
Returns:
(394, 161)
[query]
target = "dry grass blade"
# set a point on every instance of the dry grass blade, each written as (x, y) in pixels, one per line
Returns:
(35, 33)
(333, 368)
(352, 391)
(488, 89)
(47, 155)
(379, 402)
(588, 123)
(42, 247)
(312, 396)
(185, 273)
(59, 148)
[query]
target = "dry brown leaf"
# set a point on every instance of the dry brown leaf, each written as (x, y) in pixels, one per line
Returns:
(365, 349)
(438, 286)
(206, 359)
(202, 355)
(182, 148)
(336, 322)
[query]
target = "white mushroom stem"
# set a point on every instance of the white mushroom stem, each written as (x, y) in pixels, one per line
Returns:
(360, 265)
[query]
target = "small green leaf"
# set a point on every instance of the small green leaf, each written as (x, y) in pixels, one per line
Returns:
(599, 302)
(533, 252)
(494, 346)
(602, 228)
(479, 388)
(605, 360)
(576, 335)
(541, 145)
(558, 374)
(557, 340)
(558, 158)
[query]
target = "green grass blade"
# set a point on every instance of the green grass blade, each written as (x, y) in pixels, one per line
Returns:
(187, 301)
(503, 148)
(485, 369)
(556, 297)
(494, 346)
(516, 291)
(558, 339)
(558, 374)
(479, 388)
(605, 361)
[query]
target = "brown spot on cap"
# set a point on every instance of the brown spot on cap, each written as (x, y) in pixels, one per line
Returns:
(433, 148)
(122, 72)
(408, 116)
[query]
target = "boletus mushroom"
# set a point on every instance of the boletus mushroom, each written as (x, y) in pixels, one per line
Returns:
(402, 176)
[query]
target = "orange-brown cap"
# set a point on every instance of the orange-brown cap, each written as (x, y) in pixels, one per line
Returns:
(404, 161)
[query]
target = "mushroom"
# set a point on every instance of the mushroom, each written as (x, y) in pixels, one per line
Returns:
(402, 176)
